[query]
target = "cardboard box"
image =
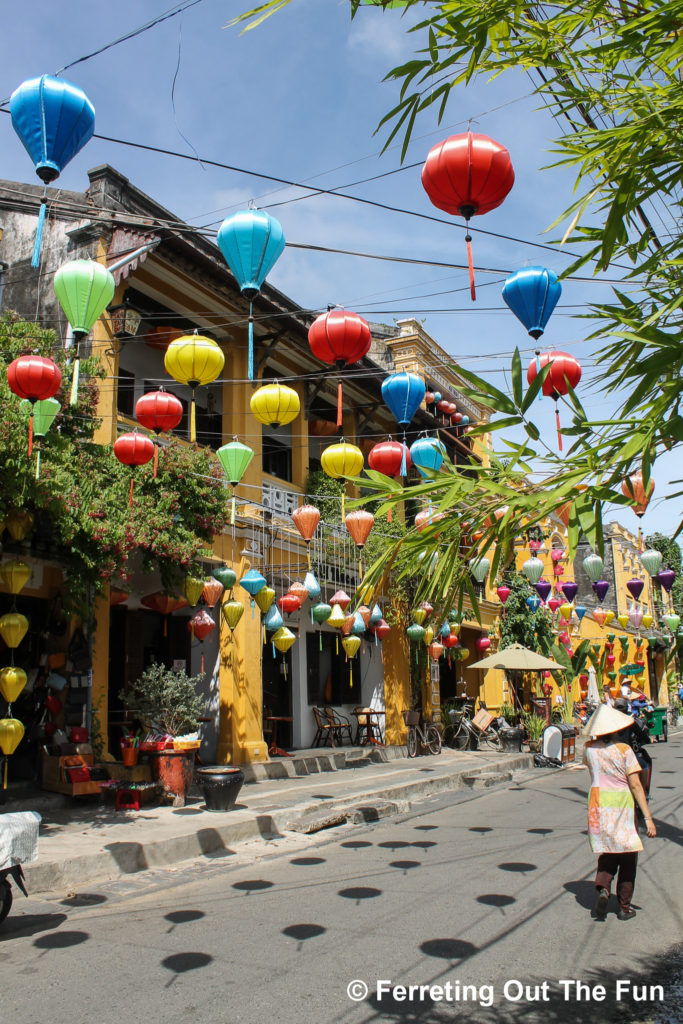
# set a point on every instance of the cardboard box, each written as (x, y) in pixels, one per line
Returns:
(482, 720)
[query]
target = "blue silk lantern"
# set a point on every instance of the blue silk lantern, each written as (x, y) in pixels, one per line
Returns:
(427, 454)
(358, 627)
(54, 119)
(580, 610)
(533, 603)
(252, 583)
(251, 242)
(273, 619)
(532, 294)
(312, 586)
(403, 393)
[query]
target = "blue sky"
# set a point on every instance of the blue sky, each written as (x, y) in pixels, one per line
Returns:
(300, 98)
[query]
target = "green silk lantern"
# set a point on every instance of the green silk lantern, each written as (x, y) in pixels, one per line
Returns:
(193, 588)
(651, 560)
(533, 570)
(320, 613)
(84, 289)
(225, 575)
(232, 612)
(672, 621)
(234, 457)
(44, 412)
(479, 567)
(593, 566)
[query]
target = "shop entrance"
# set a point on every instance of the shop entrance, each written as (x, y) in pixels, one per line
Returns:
(277, 694)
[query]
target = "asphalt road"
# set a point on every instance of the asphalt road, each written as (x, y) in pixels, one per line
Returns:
(489, 890)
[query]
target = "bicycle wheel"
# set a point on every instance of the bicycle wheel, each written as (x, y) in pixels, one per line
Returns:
(433, 740)
(411, 741)
(492, 739)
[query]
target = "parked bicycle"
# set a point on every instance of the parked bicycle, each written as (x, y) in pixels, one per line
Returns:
(467, 735)
(426, 735)
(674, 712)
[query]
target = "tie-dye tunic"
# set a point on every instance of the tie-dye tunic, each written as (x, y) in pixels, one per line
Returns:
(611, 808)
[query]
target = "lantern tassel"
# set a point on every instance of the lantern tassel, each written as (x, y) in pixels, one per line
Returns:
(232, 510)
(404, 467)
(193, 419)
(251, 342)
(559, 433)
(156, 461)
(38, 240)
(4, 775)
(30, 433)
(73, 400)
(130, 496)
(202, 668)
(339, 404)
(320, 634)
(37, 462)
(343, 502)
(468, 239)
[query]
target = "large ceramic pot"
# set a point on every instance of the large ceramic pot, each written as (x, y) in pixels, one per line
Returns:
(173, 770)
(220, 786)
(511, 739)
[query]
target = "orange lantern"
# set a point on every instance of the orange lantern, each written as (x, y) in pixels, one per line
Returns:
(435, 650)
(600, 615)
(634, 489)
(359, 524)
(212, 591)
(306, 519)
(300, 591)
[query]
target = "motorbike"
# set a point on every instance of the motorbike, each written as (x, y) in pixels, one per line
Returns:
(18, 845)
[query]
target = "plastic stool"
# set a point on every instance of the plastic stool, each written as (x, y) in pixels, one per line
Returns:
(127, 800)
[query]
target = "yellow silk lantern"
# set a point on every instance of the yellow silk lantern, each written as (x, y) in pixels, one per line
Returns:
(12, 682)
(193, 360)
(264, 598)
(232, 612)
(647, 620)
(429, 636)
(19, 523)
(275, 404)
(283, 639)
(11, 735)
(351, 645)
(464, 653)
(622, 620)
(342, 459)
(609, 617)
(194, 589)
(16, 575)
(336, 618)
(13, 628)
(419, 615)
(566, 611)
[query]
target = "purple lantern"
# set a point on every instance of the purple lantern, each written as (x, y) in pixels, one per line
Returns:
(600, 587)
(665, 578)
(543, 589)
(569, 590)
(635, 588)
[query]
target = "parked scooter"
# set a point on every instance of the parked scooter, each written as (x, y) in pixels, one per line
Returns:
(6, 894)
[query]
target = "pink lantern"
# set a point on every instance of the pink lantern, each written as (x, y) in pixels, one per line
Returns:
(554, 604)
(483, 643)
(503, 594)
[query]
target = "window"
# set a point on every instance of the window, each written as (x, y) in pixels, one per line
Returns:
(329, 674)
(277, 458)
(209, 428)
(125, 396)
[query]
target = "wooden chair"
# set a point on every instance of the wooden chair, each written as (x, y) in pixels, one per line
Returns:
(341, 725)
(324, 728)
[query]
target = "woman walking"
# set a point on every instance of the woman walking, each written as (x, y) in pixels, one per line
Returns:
(615, 788)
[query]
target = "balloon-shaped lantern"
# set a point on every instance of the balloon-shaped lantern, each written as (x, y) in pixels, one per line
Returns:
(565, 372)
(543, 589)
(306, 519)
(133, 450)
(13, 628)
(672, 621)
(312, 586)
(54, 119)
(34, 378)
(212, 591)
(161, 412)
(12, 682)
(251, 242)
(320, 613)
(651, 561)
(593, 566)
(533, 602)
(351, 644)
(273, 620)
(225, 575)
(164, 604)
(84, 289)
(635, 616)
(427, 454)
(232, 611)
(468, 174)
(570, 590)
(252, 582)
(201, 625)
(600, 615)
(359, 524)
(11, 735)
(194, 588)
(342, 460)
(389, 457)
(339, 337)
(193, 360)
(234, 457)
(44, 413)
(283, 639)
(532, 294)
(275, 404)
(403, 393)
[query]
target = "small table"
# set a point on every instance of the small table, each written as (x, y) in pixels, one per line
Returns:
(273, 748)
(371, 724)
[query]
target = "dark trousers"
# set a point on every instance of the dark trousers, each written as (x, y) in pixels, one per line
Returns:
(608, 866)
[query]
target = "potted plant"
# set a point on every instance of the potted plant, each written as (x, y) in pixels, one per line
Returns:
(534, 726)
(165, 701)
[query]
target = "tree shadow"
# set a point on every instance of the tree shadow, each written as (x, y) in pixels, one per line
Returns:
(84, 899)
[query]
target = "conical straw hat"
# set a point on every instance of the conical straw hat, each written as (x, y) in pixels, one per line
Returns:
(606, 720)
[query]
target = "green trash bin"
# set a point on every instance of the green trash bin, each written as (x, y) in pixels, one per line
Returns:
(657, 724)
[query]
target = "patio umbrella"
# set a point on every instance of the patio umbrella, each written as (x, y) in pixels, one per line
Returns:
(517, 658)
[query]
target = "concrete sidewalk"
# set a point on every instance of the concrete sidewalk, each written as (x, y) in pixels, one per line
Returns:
(315, 790)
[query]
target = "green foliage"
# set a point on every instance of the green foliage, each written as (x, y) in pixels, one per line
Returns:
(165, 700)
(80, 501)
(520, 626)
(534, 725)
(325, 493)
(671, 559)
(509, 714)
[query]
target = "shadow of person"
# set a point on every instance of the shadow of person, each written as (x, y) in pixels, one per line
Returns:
(583, 892)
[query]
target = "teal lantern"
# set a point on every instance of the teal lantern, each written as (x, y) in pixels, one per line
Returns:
(358, 625)
(312, 586)
(252, 583)
(273, 620)
(84, 289)
(251, 242)
(234, 457)
(225, 575)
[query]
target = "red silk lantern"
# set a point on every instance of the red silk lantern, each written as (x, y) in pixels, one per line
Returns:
(35, 378)
(483, 643)
(429, 397)
(565, 371)
(381, 629)
(339, 337)
(365, 614)
(53, 705)
(342, 599)
(347, 625)
(161, 412)
(468, 174)
(503, 594)
(450, 641)
(133, 450)
(554, 603)
(201, 625)
(435, 650)
(289, 603)
(386, 457)
(428, 608)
